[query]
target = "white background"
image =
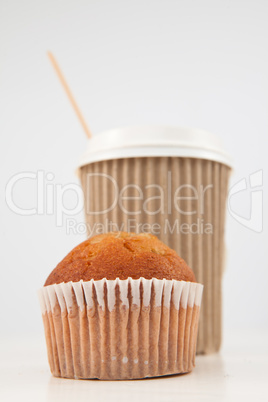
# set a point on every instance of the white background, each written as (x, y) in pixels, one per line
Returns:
(188, 63)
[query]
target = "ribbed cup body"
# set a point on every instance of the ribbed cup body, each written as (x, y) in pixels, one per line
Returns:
(180, 200)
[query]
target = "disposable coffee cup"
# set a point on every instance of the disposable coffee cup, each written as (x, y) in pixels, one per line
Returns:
(173, 183)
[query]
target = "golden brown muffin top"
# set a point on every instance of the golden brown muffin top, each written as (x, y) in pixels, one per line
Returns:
(121, 255)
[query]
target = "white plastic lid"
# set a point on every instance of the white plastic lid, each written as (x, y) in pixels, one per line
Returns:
(142, 141)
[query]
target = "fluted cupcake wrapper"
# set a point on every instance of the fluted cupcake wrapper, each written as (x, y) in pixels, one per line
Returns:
(121, 329)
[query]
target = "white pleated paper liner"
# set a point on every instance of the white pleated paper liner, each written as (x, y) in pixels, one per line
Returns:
(121, 329)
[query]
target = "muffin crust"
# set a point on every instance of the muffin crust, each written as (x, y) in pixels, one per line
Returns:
(121, 255)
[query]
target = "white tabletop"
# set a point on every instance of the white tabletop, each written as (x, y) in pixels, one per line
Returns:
(239, 372)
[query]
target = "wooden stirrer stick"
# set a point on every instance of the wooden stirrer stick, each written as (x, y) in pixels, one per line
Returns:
(69, 94)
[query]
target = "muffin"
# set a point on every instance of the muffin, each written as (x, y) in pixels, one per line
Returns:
(121, 306)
